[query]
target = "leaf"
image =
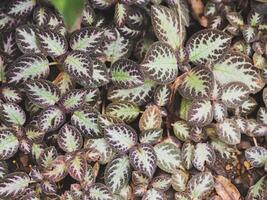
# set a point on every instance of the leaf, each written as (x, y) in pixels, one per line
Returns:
(89, 177)
(258, 190)
(179, 180)
(107, 120)
(249, 33)
(151, 136)
(143, 159)
(234, 94)
(181, 10)
(51, 43)
(41, 16)
(79, 66)
(14, 184)
(126, 73)
(262, 115)
(167, 26)
(57, 171)
(88, 15)
(208, 45)
(11, 94)
(3, 169)
(125, 111)
(139, 95)
(47, 157)
(6, 22)
(51, 119)
(257, 156)
(69, 138)
(161, 182)
(8, 144)
(42, 92)
(153, 194)
(20, 8)
(200, 185)
(162, 95)
(118, 173)
(229, 132)
(98, 191)
(92, 96)
(235, 67)
(77, 166)
(248, 106)
(150, 119)
(168, 156)
(73, 100)
(182, 196)
(181, 130)
(121, 137)
(26, 39)
(160, 63)
(12, 114)
(70, 10)
(85, 120)
(105, 151)
(187, 154)
(203, 154)
(219, 111)
(197, 83)
(121, 12)
(223, 150)
(200, 113)
(86, 39)
(28, 67)
(225, 189)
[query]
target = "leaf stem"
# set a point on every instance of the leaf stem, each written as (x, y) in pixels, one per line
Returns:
(53, 63)
(255, 141)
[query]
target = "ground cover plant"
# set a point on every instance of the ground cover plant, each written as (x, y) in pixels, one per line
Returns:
(133, 99)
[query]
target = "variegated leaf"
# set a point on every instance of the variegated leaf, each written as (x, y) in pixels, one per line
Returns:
(249, 33)
(151, 136)
(51, 119)
(47, 157)
(77, 166)
(219, 111)
(57, 171)
(73, 100)
(121, 137)
(116, 49)
(235, 19)
(179, 180)
(262, 115)
(107, 120)
(86, 39)
(200, 113)
(255, 18)
(125, 111)
(3, 169)
(234, 94)
(167, 26)
(12, 114)
(203, 154)
(150, 119)
(20, 8)
(9, 46)
(41, 16)
(182, 196)
(258, 190)
(42, 92)
(88, 15)
(11, 94)
(143, 158)
(126, 73)
(162, 95)
(6, 22)
(248, 106)
(14, 184)
(257, 156)
(121, 12)
(85, 120)
(117, 173)
(69, 138)
(89, 177)
(229, 132)
(2, 67)
(8, 144)
(208, 45)
(139, 95)
(181, 130)
(168, 156)
(51, 43)
(153, 194)
(160, 63)
(34, 134)
(28, 67)
(223, 150)
(100, 76)
(197, 83)
(161, 182)
(102, 147)
(236, 67)
(187, 155)
(200, 185)
(98, 191)
(26, 39)
(91, 96)
(79, 66)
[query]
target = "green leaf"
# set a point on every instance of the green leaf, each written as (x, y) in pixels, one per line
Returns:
(69, 9)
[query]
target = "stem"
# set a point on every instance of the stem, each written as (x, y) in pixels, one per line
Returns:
(255, 141)
(53, 63)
